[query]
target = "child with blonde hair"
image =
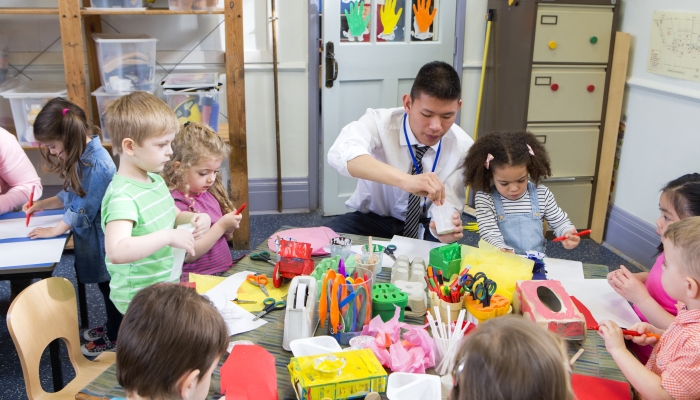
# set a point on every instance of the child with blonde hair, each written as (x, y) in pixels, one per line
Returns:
(194, 180)
(512, 358)
(506, 168)
(139, 216)
(673, 370)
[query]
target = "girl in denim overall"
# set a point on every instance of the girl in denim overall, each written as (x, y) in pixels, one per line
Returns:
(505, 168)
(76, 154)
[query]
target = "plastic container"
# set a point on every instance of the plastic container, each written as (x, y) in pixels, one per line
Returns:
(26, 101)
(341, 246)
(127, 62)
(442, 215)
(4, 62)
(375, 263)
(362, 313)
(314, 345)
(137, 4)
(195, 106)
(104, 99)
(208, 5)
(407, 386)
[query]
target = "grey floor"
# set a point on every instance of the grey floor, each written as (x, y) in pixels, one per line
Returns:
(262, 226)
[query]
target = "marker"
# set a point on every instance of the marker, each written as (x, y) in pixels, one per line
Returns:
(31, 202)
(561, 238)
(241, 209)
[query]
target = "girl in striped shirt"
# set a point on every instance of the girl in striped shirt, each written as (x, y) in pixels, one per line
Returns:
(505, 168)
(193, 177)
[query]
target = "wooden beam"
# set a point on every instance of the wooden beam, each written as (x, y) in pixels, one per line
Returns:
(92, 24)
(616, 91)
(235, 96)
(150, 11)
(73, 58)
(29, 11)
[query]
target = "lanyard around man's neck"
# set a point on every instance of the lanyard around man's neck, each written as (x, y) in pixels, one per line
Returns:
(413, 156)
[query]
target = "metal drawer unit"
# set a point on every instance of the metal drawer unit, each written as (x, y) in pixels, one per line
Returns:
(547, 72)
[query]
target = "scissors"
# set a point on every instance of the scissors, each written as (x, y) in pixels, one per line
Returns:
(240, 301)
(262, 256)
(270, 305)
(259, 281)
(389, 250)
(484, 290)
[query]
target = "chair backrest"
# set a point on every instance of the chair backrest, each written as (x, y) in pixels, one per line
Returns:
(44, 311)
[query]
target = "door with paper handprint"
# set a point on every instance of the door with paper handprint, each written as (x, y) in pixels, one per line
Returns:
(378, 46)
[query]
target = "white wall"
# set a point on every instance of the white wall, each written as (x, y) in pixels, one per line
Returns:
(179, 34)
(663, 117)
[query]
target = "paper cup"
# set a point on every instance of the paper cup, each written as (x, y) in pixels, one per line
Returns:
(442, 215)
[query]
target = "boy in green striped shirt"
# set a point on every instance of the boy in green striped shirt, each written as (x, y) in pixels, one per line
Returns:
(139, 216)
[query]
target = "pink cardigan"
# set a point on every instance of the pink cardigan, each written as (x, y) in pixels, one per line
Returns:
(17, 175)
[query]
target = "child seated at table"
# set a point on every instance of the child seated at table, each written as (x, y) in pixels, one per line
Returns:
(170, 342)
(673, 370)
(512, 358)
(194, 180)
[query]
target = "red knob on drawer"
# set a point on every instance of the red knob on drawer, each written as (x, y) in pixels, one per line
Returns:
(555, 87)
(591, 88)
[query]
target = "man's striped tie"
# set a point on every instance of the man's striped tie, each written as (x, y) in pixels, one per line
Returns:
(413, 213)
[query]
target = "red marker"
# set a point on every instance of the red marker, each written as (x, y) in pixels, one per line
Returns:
(240, 210)
(561, 238)
(31, 202)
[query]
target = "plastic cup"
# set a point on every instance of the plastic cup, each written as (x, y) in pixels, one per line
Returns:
(372, 260)
(442, 215)
(343, 337)
(341, 246)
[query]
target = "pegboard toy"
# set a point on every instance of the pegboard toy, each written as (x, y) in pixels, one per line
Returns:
(547, 304)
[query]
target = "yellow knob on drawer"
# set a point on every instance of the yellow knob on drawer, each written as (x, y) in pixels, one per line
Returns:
(552, 45)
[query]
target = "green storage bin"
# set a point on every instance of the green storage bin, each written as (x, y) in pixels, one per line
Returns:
(448, 259)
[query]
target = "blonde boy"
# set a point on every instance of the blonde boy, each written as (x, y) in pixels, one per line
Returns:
(138, 213)
(673, 370)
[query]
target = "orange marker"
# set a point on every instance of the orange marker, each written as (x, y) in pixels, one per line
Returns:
(31, 202)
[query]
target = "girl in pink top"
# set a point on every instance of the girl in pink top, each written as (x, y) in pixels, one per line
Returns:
(192, 174)
(17, 175)
(679, 199)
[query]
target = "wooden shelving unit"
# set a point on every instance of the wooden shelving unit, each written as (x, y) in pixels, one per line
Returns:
(75, 21)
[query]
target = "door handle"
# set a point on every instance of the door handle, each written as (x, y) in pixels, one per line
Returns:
(331, 65)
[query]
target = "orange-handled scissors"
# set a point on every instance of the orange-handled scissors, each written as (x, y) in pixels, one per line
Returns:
(259, 281)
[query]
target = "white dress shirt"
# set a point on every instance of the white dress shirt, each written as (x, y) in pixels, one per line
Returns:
(379, 133)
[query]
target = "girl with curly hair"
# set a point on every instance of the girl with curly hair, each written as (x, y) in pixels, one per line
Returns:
(505, 168)
(193, 177)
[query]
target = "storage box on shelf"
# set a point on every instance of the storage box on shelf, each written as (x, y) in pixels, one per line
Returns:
(109, 4)
(194, 97)
(126, 62)
(185, 5)
(26, 100)
(104, 99)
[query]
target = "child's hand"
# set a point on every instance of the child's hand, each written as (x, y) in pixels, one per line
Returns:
(201, 223)
(627, 285)
(36, 207)
(38, 233)
(644, 327)
(612, 334)
(182, 239)
(571, 241)
(231, 221)
(504, 250)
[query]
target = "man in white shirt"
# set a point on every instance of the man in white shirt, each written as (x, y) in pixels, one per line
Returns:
(400, 184)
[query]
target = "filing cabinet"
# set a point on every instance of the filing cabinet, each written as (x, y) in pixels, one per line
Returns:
(548, 72)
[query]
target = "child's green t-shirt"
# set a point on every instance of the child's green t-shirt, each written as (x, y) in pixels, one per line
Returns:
(151, 208)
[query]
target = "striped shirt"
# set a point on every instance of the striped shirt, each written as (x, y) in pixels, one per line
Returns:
(676, 358)
(218, 258)
(487, 219)
(151, 208)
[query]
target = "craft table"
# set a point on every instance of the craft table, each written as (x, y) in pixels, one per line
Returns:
(595, 361)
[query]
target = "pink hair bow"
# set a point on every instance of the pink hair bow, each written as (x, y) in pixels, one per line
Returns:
(489, 157)
(529, 149)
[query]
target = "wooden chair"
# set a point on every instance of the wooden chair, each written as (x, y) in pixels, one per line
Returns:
(45, 311)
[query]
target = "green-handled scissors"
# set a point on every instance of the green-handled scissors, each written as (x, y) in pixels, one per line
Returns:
(262, 256)
(270, 305)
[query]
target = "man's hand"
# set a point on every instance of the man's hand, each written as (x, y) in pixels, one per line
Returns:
(455, 235)
(427, 185)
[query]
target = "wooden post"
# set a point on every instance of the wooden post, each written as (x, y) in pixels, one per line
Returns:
(92, 24)
(277, 106)
(235, 96)
(73, 59)
(616, 91)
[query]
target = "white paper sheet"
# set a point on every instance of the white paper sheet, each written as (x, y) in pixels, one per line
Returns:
(558, 269)
(238, 320)
(179, 255)
(601, 300)
(413, 247)
(31, 252)
(14, 228)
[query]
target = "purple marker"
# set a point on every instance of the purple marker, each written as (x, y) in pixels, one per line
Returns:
(341, 268)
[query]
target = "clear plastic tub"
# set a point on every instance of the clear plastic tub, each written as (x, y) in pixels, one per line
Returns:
(4, 50)
(208, 5)
(127, 62)
(195, 106)
(117, 4)
(26, 101)
(104, 99)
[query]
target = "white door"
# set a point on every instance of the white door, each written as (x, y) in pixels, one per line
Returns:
(376, 65)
